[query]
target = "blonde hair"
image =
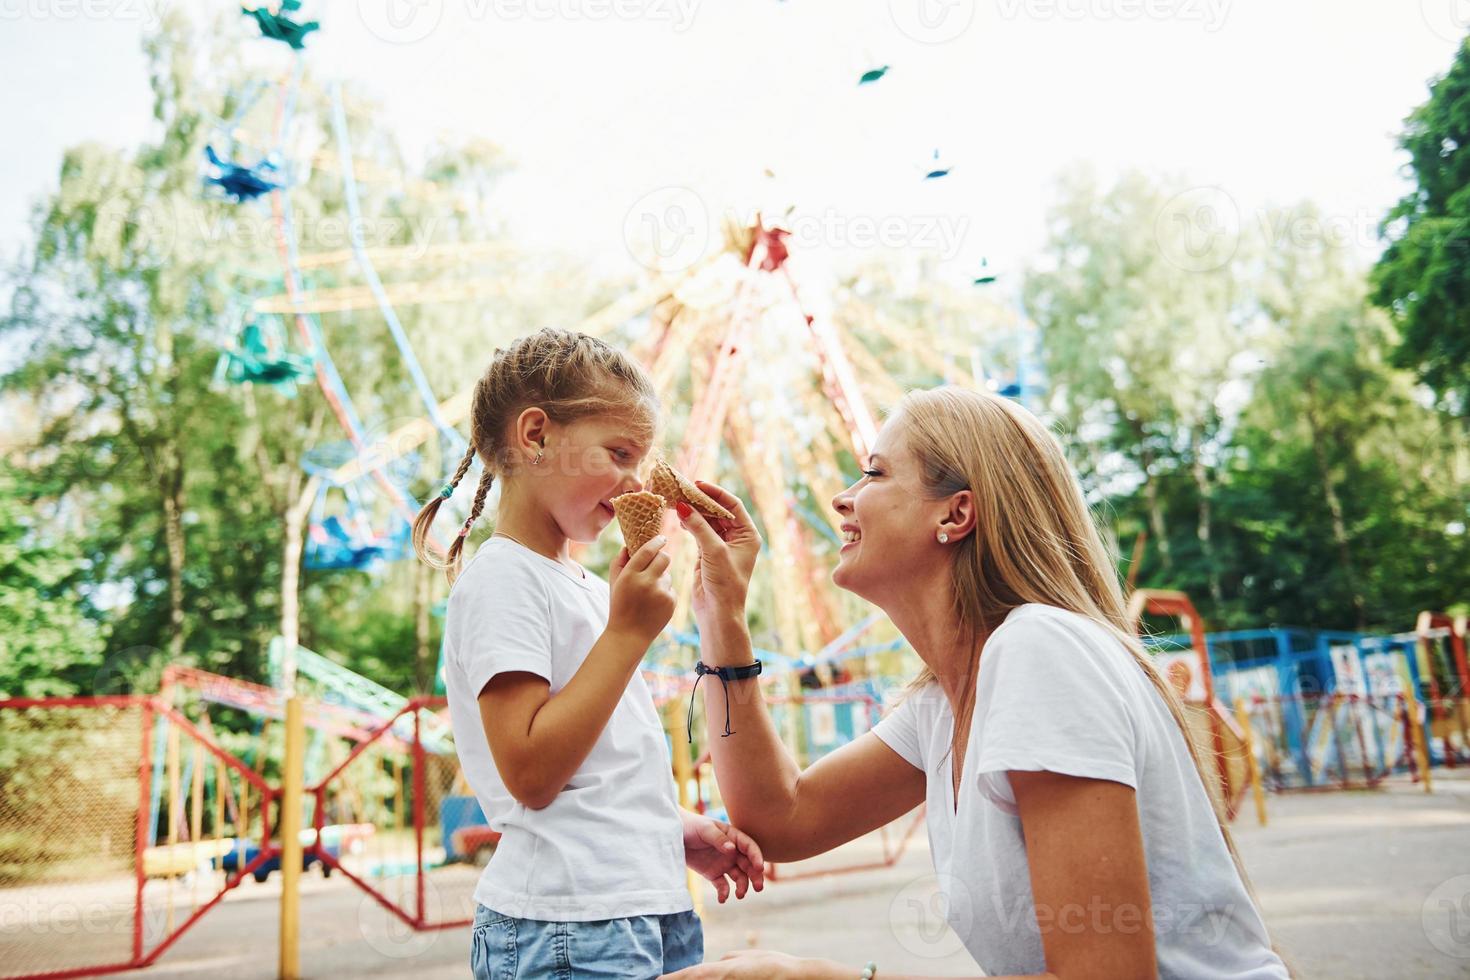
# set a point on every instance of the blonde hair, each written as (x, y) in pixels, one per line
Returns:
(1034, 538)
(569, 376)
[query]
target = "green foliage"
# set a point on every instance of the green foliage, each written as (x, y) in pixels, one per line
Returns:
(1249, 418)
(49, 645)
(155, 501)
(1423, 277)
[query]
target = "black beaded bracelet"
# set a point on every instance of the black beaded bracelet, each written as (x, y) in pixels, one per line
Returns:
(726, 675)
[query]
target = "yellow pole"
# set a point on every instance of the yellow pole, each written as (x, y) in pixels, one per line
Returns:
(1242, 716)
(290, 824)
(196, 817)
(398, 821)
(674, 725)
(795, 718)
(219, 814)
(1461, 712)
(175, 791)
(1416, 736)
(242, 825)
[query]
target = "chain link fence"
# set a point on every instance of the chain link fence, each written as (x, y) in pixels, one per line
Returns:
(70, 879)
(408, 829)
(121, 823)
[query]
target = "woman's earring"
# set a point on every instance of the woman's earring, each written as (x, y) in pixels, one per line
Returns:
(537, 459)
(943, 538)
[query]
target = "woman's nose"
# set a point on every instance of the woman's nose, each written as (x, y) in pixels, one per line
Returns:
(842, 503)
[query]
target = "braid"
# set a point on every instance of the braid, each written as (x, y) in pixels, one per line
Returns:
(425, 519)
(457, 548)
(480, 491)
(566, 374)
(464, 467)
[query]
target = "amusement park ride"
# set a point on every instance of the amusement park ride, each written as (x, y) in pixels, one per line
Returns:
(779, 403)
(769, 394)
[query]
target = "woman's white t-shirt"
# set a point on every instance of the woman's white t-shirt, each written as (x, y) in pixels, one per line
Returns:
(611, 844)
(1057, 692)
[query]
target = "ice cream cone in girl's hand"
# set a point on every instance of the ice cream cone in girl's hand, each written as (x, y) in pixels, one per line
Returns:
(640, 515)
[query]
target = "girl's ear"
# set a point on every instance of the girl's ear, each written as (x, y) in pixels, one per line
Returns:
(529, 436)
(959, 517)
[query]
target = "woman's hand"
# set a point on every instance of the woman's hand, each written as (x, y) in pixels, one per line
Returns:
(727, 553)
(723, 855)
(760, 964)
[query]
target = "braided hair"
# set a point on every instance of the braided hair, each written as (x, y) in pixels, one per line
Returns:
(566, 374)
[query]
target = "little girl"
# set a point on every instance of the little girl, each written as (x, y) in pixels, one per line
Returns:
(555, 729)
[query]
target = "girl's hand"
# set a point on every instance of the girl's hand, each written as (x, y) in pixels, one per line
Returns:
(727, 553)
(721, 854)
(642, 600)
(760, 964)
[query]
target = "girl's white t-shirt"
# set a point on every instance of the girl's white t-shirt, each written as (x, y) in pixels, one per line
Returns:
(1057, 692)
(611, 844)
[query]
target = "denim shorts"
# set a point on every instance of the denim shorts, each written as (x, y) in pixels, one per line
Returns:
(638, 948)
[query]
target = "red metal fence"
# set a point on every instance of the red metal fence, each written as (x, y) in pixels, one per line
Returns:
(122, 821)
(1333, 741)
(118, 817)
(411, 802)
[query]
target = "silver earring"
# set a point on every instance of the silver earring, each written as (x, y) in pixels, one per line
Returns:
(537, 459)
(943, 538)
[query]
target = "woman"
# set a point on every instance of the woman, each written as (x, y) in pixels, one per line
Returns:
(1069, 822)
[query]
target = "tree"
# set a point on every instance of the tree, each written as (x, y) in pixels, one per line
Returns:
(49, 646)
(1339, 510)
(1141, 330)
(1423, 277)
(121, 306)
(1340, 497)
(181, 494)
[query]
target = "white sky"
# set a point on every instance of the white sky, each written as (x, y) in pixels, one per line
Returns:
(1271, 100)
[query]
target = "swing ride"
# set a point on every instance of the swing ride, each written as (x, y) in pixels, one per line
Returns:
(280, 26)
(260, 356)
(935, 169)
(240, 182)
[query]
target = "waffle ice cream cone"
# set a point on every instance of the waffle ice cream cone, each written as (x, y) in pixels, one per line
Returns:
(640, 515)
(673, 486)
